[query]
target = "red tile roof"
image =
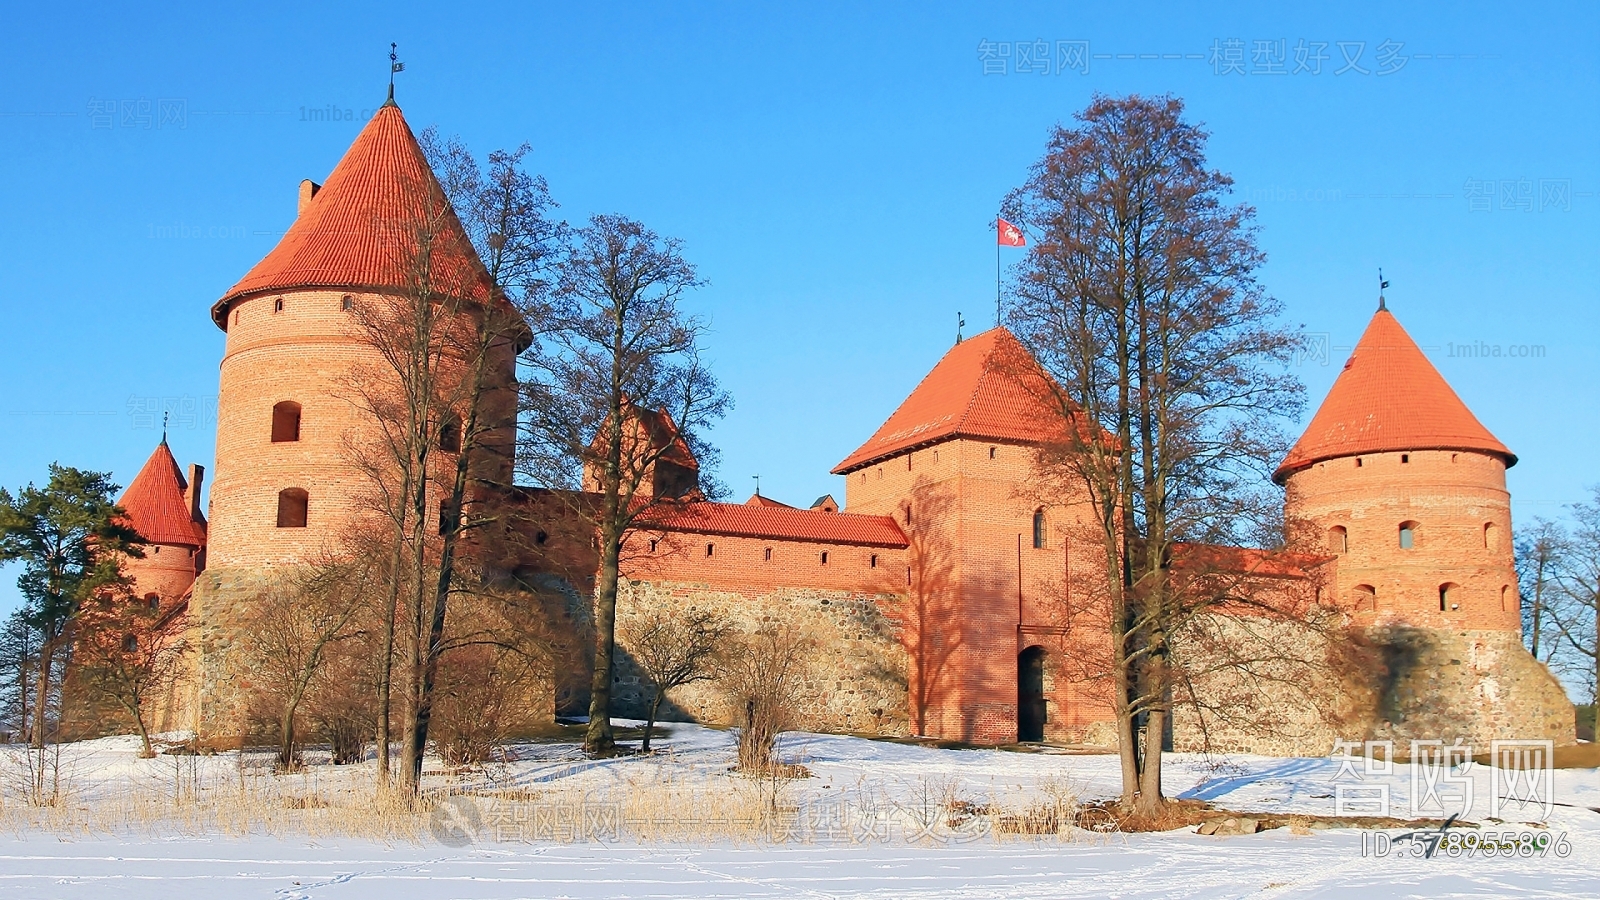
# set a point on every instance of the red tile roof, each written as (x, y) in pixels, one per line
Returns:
(360, 230)
(775, 522)
(1389, 397)
(758, 500)
(155, 504)
(1222, 559)
(987, 387)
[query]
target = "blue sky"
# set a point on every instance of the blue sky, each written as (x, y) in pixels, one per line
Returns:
(832, 169)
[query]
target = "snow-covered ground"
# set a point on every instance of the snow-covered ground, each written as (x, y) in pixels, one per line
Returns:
(873, 821)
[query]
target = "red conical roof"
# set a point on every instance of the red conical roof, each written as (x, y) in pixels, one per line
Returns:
(1389, 397)
(361, 229)
(155, 504)
(986, 387)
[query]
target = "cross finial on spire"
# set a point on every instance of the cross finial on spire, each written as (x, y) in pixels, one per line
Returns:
(395, 65)
(164, 416)
(1382, 306)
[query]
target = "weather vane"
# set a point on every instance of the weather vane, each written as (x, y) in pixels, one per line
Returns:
(960, 324)
(1381, 286)
(758, 484)
(395, 65)
(164, 416)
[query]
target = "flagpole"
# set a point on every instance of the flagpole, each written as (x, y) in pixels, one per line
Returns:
(997, 273)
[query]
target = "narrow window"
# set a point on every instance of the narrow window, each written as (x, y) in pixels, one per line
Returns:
(908, 462)
(1358, 462)
(158, 548)
(880, 473)
(1338, 539)
(908, 576)
(824, 557)
(542, 537)
(1038, 528)
(292, 503)
(285, 422)
(1505, 594)
(130, 644)
(710, 549)
(1405, 458)
(277, 305)
(991, 452)
(874, 562)
(652, 545)
(1366, 597)
(444, 516)
(935, 456)
(347, 303)
(1452, 457)
(766, 555)
(450, 434)
(1444, 597)
(1490, 539)
(1408, 535)
(236, 317)
(153, 601)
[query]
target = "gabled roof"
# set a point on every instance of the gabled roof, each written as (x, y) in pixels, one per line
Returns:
(986, 387)
(155, 504)
(758, 500)
(1389, 397)
(361, 229)
(777, 523)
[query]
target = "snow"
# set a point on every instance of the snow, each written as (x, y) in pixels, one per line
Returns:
(893, 849)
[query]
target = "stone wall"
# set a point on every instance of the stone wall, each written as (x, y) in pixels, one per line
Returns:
(855, 681)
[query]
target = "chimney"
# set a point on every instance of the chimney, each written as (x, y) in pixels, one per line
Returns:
(308, 189)
(191, 494)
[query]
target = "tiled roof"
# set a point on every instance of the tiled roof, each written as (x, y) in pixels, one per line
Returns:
(986, 387)
(758, 500)
(155, 505)
(360, 231)
(1222, 559)
(1389, 397)
(777, 523)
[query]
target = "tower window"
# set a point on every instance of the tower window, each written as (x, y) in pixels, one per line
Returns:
(824, 557)
(908, 462)
(710, 549)
(873, 563)
(277, 305)
(1405, 458)
(908, 576)
(1338, 539)
(1366, 597)
(130, 644)
(1449, 597)
(236, 317)
(1358, 462)
(1491, 539)
(1505, 594)
(285, 422)
(653, 543)
(153, 601)
(1408, 535)
(450, 434)
(991, 452)
(766, 555)
(347, 303)
(542, 537)
(1038, 528)
(292, 504)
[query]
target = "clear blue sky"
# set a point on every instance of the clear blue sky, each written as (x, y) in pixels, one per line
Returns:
(832, 170)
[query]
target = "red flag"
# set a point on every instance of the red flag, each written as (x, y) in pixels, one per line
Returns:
(1009, 235)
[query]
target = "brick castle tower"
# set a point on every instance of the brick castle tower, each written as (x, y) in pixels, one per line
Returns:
(289, 410)
(1408, 489)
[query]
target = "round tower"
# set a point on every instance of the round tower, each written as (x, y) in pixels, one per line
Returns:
(299, 365)
(1398, 480)
(1401, 482)
(164, 508)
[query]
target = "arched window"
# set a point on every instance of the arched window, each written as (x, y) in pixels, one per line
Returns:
(766, 555)
(1491, 539)
(710, 549)
(1338, 539)
(1505, 595)
(277, 305)
(874, 562)
(450, 434)
(292, 503)
(153, 601)
(1449, 596)
(1366, 597)
(824, 557)
(1408, 535)
(285, 422)
(1038, 528)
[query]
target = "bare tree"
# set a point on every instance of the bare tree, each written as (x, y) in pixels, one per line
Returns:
(294, 625)
(1576, 610)
(129, 653)
(765, 679)
(674, 649)
(1539, 549)
(617, 365)
(444, 398)
(1139, 297)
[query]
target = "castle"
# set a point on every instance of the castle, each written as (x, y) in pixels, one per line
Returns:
(937, 588)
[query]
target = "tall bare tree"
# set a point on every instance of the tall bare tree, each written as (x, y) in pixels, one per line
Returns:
(1576, 612)
(1539, 549)
(129, 653)
(616, 357)
(674, 649)
(445, 399)
(1139, 296)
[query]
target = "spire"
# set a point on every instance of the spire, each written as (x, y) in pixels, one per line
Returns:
(1389, 397)
(155, 504)
(361, 230)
